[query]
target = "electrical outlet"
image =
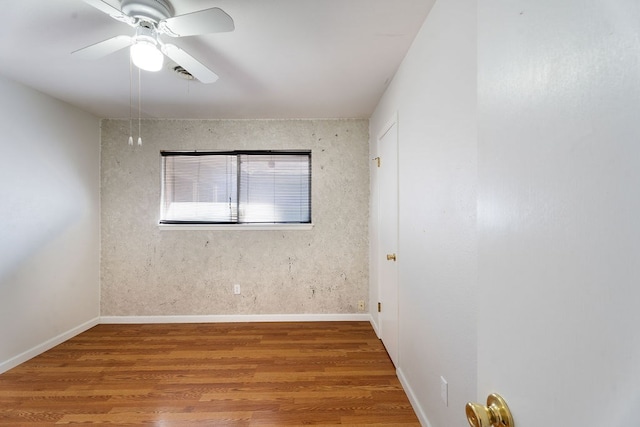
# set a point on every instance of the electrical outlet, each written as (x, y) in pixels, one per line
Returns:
(361, 305)
(444, 391)
(236, 289)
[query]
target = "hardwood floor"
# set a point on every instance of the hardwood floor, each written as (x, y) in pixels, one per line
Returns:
(214, 374)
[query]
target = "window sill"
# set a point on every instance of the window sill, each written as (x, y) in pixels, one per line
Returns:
(227, 227)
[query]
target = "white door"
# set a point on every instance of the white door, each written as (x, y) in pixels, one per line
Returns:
(559, 212)
(388, 239)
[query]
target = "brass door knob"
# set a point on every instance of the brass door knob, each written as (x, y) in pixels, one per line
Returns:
(391, 257)
(496, 413)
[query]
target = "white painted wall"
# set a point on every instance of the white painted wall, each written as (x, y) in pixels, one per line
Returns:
(558, 168)
(49, 222)
(559, 210)
(434, 94)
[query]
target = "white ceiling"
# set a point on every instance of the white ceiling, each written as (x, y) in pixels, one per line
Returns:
(285, 59)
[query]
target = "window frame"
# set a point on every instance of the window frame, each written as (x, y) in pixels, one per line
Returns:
(205, 225)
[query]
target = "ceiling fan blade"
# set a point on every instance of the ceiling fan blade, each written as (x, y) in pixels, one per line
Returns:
(207, 21)
(103, 48)
(189, 63)
(111, 11)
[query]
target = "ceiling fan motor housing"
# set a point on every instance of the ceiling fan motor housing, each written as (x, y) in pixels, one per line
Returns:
(146, 34)
(148, 10)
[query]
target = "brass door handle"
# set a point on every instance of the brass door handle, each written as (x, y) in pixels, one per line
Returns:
(496, 413)
(391, 257)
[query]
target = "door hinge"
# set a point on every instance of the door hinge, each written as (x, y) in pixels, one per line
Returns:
(379, 307)
(377, 159)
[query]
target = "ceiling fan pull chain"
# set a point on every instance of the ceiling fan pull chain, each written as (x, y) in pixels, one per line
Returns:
(130, 101)
(139, 113)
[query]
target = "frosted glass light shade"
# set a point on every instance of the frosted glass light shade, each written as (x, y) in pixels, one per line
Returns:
(146, 56)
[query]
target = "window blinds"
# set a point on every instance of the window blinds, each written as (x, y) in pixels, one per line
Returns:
(236, 187)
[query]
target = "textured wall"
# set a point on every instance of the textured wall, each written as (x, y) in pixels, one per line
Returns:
(149, 271)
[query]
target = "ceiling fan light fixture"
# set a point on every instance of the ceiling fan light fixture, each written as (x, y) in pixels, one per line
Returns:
(144, 50)
(146, 56)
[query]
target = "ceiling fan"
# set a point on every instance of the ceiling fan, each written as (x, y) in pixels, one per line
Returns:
(150, 18)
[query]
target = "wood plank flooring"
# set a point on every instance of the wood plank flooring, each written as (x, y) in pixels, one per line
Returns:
(214, 374)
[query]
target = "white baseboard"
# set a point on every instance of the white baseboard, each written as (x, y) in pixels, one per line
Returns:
(238, 318)
(375, 326)
(41, 348)
(422, 417)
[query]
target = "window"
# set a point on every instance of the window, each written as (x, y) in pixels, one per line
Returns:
(248, 187)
